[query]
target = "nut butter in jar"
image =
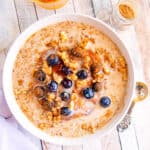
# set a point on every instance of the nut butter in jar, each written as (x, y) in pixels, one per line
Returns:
(124, 13)
(51, 4)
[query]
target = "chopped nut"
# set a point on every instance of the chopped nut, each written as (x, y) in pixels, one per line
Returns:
(80, 83)
(98, 77)
(30, 85)
(87, 62)
(42, 126)
(76, 52)
(57, 77)
(64, 56)
(56, 119)
(88, 128)
(19, 91)
(42, 117)
(113, 64)
(97, 86)
(106, 71)
(74, 96)
(71, 105)
(55, 111)
(121, 62)
(63, 36)
(95, 68)
(47, 69)
(49, 116)
(84, 126)
(73, 65)
(84, 42)
(51, 96)
(122, 70)
(58, 104)
(52, 44)
(20, 82)
(63, 48)
(72, 77)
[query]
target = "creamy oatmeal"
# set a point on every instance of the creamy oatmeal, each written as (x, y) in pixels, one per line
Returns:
(70, 79)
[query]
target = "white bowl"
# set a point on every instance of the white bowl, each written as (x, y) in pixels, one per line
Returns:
(8, 87)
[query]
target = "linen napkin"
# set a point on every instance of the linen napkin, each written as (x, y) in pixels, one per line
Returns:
(11, 136)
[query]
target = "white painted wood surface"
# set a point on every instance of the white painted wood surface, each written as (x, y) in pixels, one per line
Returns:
(16, 15)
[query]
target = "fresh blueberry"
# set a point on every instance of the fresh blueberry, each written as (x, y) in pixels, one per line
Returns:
(67, 83)
(52, 86)
(105, 101)
(88, 93)
(52, 60)
(82, 74)
(65, 111)
(97, 86)
(65, 96)
(39, 75)
(39, 91)
(66, 70)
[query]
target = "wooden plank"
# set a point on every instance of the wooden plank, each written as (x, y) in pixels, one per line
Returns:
(36, 142)
(50, 146)
(9, 30)
(25, 12)
(92, 144)
(84, 7)
(41, 13)
(8, 24)
(142, 111)
(128, 139)
(68, 8)
(142, 124)
(111, 141)
(143, 36)
(80, 147)
(26, 15)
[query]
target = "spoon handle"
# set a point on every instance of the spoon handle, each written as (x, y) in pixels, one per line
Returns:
(141, 94)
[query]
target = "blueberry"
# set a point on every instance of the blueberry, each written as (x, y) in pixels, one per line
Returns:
(66, 70)
(67, 83)
(39, 75)
(52, 86)
(39, 91)
(105, 101)
(82, 74)
(88, 93)
(65, 111)
(52, 60)
(97, 86)
(65, 96)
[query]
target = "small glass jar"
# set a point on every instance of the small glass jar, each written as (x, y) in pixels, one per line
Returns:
(104, 10)
(124, 14)
(51, 4)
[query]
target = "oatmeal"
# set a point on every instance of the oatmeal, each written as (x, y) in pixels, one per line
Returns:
(70, 79)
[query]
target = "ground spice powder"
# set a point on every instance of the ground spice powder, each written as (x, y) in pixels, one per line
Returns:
(126, 11)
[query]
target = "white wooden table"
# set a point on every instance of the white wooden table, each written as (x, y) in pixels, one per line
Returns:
(17, 15)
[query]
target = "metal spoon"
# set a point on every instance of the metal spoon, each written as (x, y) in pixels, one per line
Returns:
(141, 94)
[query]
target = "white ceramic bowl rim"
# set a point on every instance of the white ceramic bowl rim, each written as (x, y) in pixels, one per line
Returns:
(8, 68)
